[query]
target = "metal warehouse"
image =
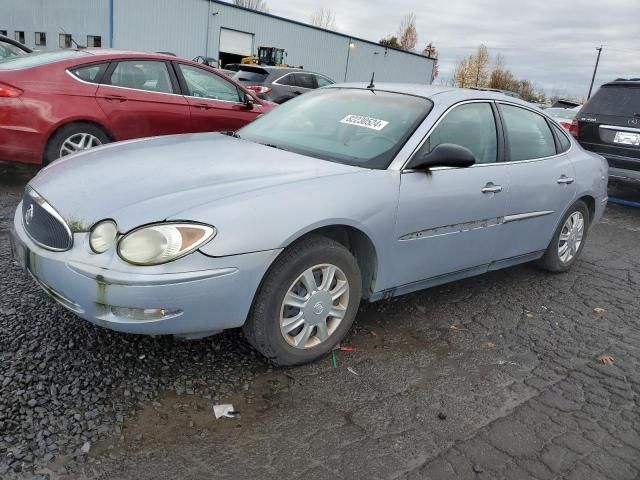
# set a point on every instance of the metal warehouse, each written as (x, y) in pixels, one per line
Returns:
(211, 28)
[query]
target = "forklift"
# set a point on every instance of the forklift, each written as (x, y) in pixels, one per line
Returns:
(271, 56)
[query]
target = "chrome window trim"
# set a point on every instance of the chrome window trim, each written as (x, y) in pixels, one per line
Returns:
(275, 82)
(622, 129)
(137, 89)
(479, 165)
(214, 99)
(52, 211)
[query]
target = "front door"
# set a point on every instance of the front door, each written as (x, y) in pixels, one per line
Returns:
(449, 219)
(541, 181)
(139, 100)
(215, 103)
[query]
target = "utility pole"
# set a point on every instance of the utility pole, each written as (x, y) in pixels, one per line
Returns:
(599, 49)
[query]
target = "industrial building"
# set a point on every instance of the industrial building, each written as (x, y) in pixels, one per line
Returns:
(211, 28)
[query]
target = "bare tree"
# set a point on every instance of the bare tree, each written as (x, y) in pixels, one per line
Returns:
(432, 52)
(324, 18)
(407, 32)
(479, 64)
(259, 5)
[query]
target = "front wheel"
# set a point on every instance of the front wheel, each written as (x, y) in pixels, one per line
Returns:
(307, 302)
(569, 239)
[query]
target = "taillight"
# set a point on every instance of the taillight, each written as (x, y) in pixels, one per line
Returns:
(9, 91)
(260, 89)
(566, 125)
(574, 128)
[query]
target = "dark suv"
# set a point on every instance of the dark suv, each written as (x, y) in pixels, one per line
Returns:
(609, 124)
(279, 84)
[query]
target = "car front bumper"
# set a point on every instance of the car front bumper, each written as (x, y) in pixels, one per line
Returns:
(193, 296)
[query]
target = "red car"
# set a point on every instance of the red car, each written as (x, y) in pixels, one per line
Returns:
(56, 103)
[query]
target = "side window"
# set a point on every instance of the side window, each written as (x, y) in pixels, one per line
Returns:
(472, 126)
(288, 80)
(89, 73)
(142, 75)
(323, 81)
(528, 134)
(304, 80)
(565, 144)
(204, 84)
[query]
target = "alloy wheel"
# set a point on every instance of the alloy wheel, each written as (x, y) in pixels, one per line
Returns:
(78, 142)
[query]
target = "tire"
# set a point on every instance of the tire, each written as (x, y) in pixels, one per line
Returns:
(268, 312)
(552, 259)
(68, 132)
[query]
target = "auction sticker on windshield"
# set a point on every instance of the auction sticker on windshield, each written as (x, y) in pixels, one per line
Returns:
(362, 121)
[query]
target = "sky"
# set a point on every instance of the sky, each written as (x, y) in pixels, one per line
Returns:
(552, 43)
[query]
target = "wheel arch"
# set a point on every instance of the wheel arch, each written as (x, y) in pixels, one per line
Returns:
(68, 122)
(357, 242)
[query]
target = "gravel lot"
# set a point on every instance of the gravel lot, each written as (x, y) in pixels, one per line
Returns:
(490, 377)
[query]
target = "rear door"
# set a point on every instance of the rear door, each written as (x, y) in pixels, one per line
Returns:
(541, 181)
(609, 124)
(140, 99)
(215, 104)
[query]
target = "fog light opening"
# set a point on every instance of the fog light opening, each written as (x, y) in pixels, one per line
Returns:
(143, 314)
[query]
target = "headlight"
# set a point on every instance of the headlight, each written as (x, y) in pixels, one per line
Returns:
(162, 243)
(103, 236)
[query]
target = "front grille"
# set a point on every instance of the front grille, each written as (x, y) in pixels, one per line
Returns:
(43, 224)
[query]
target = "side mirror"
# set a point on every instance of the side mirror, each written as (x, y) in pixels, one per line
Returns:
(444, 155)
(249, 102)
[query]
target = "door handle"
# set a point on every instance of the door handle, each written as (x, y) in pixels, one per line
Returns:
(564, 180)
(115, 98)
(203, 106)
(491, 188)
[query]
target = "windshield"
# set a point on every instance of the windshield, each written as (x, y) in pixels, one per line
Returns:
(365, 128)
(8, 50)
(37, 59)
(561, 113)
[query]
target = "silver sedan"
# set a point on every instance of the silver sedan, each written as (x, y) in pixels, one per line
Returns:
(282, 228)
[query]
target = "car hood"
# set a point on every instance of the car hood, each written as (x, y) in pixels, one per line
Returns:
(150, 180)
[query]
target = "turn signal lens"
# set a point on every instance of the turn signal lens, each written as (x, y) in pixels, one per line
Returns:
(164, 242)
(9, 91)
(103, 236)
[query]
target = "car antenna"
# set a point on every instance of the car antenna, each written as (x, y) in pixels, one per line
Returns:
(80, 47)
(371, 85)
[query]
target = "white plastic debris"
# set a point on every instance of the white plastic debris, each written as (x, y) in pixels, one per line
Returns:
(225, 410)
(353, 371)
(86, 447)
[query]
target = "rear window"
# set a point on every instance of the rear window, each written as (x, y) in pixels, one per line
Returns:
(37, 59)
(620, 101)
(254, 75)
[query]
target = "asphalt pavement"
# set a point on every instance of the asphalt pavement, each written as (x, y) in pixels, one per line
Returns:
(494, 377)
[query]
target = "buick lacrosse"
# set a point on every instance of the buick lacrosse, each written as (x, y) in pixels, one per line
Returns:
(350, 192)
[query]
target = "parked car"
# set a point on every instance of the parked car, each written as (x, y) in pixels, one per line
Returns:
(564, 116)
(11, 48)
(283, 227)
(609, 124)
(57, 103)
(213, 63)
(279, 84)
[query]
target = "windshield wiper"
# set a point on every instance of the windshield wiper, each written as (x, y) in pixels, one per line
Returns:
(231, 133)
(272, 146)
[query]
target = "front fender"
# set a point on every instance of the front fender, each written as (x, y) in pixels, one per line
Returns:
(275, 217)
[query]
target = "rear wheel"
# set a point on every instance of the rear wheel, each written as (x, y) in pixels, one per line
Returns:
(569, 239)
(74, 138)
(307, 302)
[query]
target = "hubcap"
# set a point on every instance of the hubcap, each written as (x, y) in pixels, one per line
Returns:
(78, 142)
(571, 237)
(314, 306)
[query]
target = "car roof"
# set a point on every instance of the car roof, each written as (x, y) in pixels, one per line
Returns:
(441, 93)
(111, 52)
